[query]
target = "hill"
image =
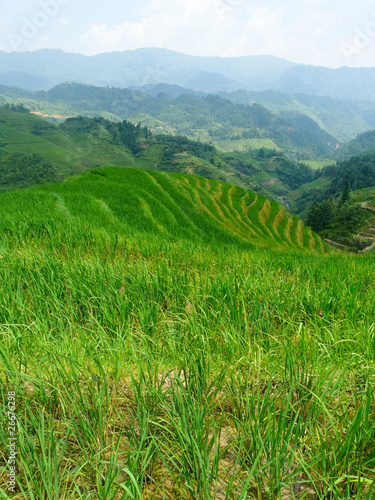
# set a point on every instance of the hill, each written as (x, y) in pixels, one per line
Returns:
(342, 118)
(207, 117)
(175, 205)
(33, 151)
(70, 148)
(361, 144)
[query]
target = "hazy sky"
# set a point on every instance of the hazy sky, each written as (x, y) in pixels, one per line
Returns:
(320, 32)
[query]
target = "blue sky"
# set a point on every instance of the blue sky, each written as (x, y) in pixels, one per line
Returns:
(320, 32)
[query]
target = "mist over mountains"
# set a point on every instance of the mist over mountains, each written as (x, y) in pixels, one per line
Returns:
(43, 69)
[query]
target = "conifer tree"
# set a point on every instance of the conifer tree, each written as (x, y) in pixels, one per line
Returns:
(345, 197)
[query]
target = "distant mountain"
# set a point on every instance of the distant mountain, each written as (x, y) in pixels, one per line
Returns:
(142, 67)
(30, 82)
(213, 82)
(342, 118)
(46, 68)
(344, 83)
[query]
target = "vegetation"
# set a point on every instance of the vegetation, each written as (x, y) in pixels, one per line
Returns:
(156, 351)
(19, 170)
(206, 117)
(361, 143)
(336, 220)
(358, 172)
(75, 146)
(343, 118)
(80, 143)
(355, 174)
(348, 221)
(174, 336)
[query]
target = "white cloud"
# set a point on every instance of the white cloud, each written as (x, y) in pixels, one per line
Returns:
(302, 33)
(201, 27)
(310, 32)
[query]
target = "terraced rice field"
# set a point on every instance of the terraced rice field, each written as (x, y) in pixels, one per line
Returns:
(186, 206)
(175, 205)
(250, 217)
(168, 337)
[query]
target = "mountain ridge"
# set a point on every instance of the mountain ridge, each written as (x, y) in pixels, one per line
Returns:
(151, 65)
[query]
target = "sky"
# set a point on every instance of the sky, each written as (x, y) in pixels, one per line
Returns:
(331, 33)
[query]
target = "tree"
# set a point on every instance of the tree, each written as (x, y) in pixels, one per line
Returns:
(320, 215)
(345, 196)
(313, 217)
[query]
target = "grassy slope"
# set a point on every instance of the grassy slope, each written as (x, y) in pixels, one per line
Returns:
(156, 354)
(318, 164)
(176, 205)
(73, 149)
(245, 144)
(70, 150)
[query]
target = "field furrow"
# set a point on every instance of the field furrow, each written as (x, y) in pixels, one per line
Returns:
(263, 216)
(239, 215)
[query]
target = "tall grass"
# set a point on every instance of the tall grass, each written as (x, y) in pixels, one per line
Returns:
(178, 364)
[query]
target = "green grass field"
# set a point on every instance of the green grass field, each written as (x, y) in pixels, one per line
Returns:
(69, 149)
(318, 164)
(245, 144)
(171, 337)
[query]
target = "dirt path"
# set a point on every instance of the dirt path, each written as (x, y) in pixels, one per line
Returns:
(367, 205)
(334, 244)
(59, 117)
(271, 182)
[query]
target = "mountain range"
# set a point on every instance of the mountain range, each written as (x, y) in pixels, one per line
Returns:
(46, 68)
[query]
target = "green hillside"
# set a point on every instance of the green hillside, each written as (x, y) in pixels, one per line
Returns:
(33, 151)
(175, 205)
(169, 336)
(73, 147)
(362, 143)
(342, 118)
(207, 117)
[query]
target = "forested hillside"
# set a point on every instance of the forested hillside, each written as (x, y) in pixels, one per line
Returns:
(208, 118)
(342, 118)
(78, 144)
